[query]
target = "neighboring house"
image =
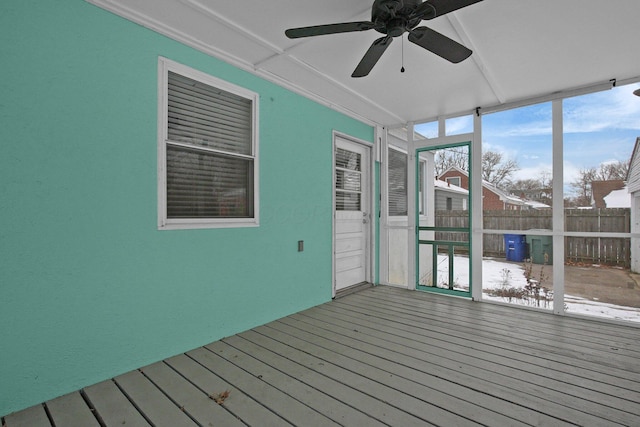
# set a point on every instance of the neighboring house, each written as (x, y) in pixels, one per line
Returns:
(633, 188)
(449, 197)
(493, 198)
(542, 195)
(609, 194)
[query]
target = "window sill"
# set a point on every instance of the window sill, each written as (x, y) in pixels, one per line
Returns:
(205, 224)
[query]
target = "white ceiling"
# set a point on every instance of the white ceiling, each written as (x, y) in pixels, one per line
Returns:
(521, 50)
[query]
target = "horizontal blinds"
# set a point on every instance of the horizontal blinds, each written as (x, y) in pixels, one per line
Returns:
(207, 185)
(348, 201)
(348, 180)
(346, 159)
(203, 115)
(397, 183)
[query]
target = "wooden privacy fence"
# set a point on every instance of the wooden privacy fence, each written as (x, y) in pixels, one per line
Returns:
(591, 250)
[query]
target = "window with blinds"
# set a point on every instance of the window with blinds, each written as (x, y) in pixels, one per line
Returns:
(348, 180)
(397, 183)
(209, 149)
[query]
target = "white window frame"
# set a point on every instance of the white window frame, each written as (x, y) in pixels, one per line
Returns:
(451, 180)
(164, 66)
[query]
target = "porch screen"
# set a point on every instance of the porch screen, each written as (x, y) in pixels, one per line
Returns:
(210, 151)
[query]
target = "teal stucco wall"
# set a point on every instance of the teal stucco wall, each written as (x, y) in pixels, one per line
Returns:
(89, 288)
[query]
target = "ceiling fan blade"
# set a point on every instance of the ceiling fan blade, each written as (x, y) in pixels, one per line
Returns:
(446, 6)
(320, 30)
(370, 59)
(425, 10)
(439, 44)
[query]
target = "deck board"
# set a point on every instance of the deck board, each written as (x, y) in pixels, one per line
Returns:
(72, 411)
(152, 403)
(385, 403)
(112, 406)
(380, 356)
(292, 410)
(280, 373)
(243, 406)
(198, 405)
(34, 416)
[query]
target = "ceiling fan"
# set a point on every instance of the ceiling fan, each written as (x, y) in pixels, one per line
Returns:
(393, 18)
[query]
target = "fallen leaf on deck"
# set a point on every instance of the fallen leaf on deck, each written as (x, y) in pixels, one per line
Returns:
(219, 398)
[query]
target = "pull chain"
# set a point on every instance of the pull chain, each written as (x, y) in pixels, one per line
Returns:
(402, 69)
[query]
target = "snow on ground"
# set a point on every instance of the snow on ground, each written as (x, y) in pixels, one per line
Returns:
(497, 274)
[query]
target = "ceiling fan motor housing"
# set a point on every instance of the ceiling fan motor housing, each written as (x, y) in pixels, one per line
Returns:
(391, 16)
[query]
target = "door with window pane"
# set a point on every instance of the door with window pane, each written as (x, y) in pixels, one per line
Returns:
(352, 221)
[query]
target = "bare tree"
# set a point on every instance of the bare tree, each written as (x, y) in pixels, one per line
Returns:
(496, 169)
(540, 189)
(609, 171)
(582, 186)
(451, 157)
(605, 172)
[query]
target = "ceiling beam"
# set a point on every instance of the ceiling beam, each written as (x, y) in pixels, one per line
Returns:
(459, 27)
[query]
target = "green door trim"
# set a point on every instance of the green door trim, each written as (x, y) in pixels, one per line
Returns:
(436, 243)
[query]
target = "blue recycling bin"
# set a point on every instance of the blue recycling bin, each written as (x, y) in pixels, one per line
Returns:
(515, 245)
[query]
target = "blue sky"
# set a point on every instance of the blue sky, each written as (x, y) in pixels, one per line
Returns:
(598, 128)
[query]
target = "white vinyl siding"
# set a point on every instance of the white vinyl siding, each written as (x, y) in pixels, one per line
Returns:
(207, 151)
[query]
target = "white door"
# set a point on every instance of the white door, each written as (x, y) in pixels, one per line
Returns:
(352, 217)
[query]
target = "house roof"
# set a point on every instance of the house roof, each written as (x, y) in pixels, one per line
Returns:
(536, 205)
(445, 186)
(521, 51)
(601, 189)
(618, 199)
(503, 195)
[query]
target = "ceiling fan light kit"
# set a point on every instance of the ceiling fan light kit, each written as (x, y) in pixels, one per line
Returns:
(393, 18)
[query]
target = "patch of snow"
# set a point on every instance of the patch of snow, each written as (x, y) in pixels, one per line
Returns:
(446, 186)
(499, 274)
(618, 199)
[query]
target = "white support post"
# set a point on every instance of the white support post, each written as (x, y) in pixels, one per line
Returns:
(384, 203)
(476, 209)
(442, 130)
(411, 209)
(558, 209)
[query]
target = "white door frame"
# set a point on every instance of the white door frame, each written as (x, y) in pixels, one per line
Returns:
(370, 207)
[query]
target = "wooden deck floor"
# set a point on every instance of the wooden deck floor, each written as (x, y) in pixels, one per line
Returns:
(382, 356)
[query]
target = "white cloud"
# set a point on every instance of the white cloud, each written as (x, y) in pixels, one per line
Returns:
(459, 125)
(571, 172)
(614, 109)
(532, 172)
